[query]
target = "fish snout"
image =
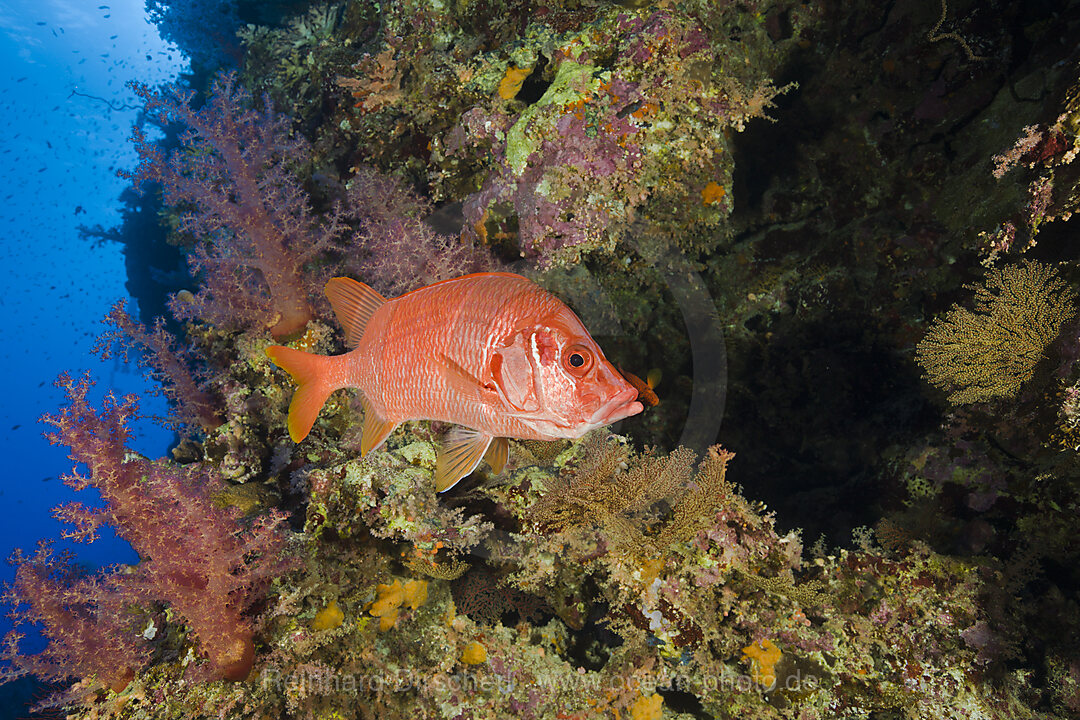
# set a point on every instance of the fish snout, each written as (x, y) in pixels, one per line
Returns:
(621, 405)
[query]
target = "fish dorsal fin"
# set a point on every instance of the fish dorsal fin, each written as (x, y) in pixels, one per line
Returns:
(376, 429)
(354, 303)
(462, 451)
(497, 454)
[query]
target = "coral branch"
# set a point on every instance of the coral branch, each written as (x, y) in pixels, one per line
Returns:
(84, 618)
(167, 365)
(241, 202)
(394, 249)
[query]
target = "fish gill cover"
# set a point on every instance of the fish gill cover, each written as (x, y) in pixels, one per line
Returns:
(852, 196)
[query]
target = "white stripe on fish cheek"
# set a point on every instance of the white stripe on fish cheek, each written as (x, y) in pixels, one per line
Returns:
(537, 373)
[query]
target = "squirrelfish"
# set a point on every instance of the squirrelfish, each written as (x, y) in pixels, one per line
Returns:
(491, 352)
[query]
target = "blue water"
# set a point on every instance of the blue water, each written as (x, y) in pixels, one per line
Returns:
(64, 129)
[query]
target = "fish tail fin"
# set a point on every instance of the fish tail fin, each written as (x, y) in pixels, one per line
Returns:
(314, 377)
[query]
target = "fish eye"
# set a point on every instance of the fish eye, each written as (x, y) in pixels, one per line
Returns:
(577, 359)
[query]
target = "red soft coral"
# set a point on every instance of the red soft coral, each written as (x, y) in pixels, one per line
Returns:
(196, 557)
(91, 631)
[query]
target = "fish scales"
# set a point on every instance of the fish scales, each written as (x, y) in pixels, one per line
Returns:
(401, 368)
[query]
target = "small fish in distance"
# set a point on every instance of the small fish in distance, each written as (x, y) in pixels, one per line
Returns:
(491, 352)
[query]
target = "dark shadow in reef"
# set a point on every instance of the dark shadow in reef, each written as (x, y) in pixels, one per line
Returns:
(271, 13)
(155, 269)
(810, 413)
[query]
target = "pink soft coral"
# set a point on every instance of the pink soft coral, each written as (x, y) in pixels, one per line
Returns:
(232, 179)
(195, 556)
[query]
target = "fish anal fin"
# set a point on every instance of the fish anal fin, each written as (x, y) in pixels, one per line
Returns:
(497, 454)
(462, 451)
(376, 429)
(354, 303)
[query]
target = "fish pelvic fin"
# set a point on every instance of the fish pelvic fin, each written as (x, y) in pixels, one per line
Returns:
(376, 429)
(312, 375)
(462, 451)
(354, 303)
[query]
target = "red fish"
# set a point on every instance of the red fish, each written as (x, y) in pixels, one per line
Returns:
(646, 388)
(492, 352)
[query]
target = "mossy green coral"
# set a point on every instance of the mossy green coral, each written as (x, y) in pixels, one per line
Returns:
(573, 81)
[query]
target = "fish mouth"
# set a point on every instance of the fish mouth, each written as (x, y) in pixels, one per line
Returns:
(621, 405)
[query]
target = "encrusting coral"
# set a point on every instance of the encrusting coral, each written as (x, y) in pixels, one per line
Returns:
(474, 654)
(393, 597)
(329, 617)
(763, 657)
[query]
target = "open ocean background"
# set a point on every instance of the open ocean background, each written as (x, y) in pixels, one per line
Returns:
(66, 120)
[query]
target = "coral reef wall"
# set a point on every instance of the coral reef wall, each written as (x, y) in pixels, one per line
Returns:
(836, 239)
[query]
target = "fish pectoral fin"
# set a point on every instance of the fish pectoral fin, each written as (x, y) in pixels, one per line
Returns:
(497, 454)
(464, 382)
(354, 303)
(376, 429)
(462, 451)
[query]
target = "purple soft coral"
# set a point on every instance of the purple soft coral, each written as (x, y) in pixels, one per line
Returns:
(394, 249)
(165, 363)
(247, 211)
